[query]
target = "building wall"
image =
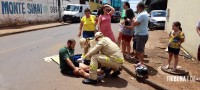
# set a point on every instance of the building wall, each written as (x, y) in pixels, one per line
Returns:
(188, 13)
(14, 12)
(94, 6)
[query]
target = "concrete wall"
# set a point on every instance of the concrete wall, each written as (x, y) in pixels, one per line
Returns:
(94, 6)
(16, 12)
(188, 13)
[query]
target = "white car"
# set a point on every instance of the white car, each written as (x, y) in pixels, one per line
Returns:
(74, 12)
(157, 19)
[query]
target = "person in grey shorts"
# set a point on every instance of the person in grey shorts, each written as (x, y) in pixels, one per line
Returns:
(141, 41)
(140, 25)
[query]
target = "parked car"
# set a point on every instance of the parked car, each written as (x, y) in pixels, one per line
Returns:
(116, 17)
(157, 19)
(74, 12)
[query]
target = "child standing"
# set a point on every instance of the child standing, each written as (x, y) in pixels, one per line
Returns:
(126, 37)
(176, 37)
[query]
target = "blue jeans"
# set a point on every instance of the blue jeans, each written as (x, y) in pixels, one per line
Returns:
(88, 34)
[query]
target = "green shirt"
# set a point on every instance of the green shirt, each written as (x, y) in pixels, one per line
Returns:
(123, 14)
(65, 53)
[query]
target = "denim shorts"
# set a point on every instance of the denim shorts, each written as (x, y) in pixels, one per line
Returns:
(88, 34)
(141, 41)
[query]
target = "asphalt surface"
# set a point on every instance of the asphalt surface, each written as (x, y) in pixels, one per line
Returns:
(22, 66)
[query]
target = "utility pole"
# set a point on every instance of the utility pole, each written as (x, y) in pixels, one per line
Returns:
(59, 10)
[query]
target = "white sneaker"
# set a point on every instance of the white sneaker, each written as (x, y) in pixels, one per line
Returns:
(138, 64)
(167, 67)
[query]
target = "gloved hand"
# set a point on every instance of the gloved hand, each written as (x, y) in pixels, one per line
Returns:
(80, 60)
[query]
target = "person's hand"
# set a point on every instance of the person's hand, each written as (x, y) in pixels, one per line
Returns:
(79, 34)
(76, 69)
(124, 26)
(107, 5)
(134, 19)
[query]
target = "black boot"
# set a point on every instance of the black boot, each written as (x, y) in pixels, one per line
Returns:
(106, 71)
(89, 81)
(116, 73)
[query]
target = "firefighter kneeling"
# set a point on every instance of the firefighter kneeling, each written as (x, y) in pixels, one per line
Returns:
(107, 54)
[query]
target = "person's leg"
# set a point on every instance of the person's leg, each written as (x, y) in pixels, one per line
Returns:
(93, 67)
(134, 47)
(176, 53)
(123, 47)
(93, 71)
(81, 73)
(140, 46)
(169, 60)
(106, 61)
(128, 44)
(96, 59)
(175, 62)
(84, 67)
(137, 47)
(123, 44)
(119, 39)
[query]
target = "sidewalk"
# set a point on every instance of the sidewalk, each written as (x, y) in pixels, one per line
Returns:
(156, 57)
(21, 29)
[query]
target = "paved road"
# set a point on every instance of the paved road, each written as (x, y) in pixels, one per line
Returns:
(22, 66)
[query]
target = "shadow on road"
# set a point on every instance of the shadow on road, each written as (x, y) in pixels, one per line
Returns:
(113, 82)
(108, 82)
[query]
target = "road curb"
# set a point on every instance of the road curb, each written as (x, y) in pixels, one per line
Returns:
(29, 30)
(156, 85)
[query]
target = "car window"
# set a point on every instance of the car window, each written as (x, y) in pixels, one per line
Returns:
(94, 10)
(72, 8)
(158, 14)
(81, 9)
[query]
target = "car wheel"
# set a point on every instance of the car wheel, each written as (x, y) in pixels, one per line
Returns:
(77, 20)
(64, 20)
(151, 27)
